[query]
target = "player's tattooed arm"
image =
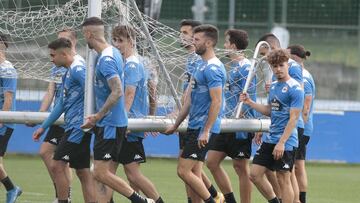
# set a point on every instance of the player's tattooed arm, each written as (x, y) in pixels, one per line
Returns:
(116, 92)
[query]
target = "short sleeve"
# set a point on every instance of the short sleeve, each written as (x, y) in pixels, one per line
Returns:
(295, 71)
(214, 76)
(9, 84)
(307, 88)
(109, 68)
(132, 74)
(297, 97)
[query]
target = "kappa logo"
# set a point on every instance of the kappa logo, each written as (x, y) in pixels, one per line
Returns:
(54, 140)
(108, 59)
(66, 157)
(193, 156)
(107, 156)
(137, 156)
(286, 166)
(241, 154)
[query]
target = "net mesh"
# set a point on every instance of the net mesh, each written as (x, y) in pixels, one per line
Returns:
(31, 28)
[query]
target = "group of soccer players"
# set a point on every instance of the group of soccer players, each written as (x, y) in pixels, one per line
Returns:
(210, 94)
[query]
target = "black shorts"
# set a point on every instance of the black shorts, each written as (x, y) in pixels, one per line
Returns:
(132, 152)
(264, 157)
(231, 146)
(191, 149)
(108, 149)
(303, 141)
(4, 140)
(54, 134)
(182, 136)
(77, 155)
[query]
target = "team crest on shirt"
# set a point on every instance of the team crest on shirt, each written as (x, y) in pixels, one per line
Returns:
(284, 89)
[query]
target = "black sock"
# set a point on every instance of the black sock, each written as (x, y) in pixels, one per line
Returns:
(136, 198)
(210, 200)
(230, 198)
(189, 200)
(303, 197)
(275, 200)
(112, 200)
(63, 201)
(7, 183)
(212, 191)
(160, 200)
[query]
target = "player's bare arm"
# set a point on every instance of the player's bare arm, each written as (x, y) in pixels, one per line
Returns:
(280, 146)
(215, 95)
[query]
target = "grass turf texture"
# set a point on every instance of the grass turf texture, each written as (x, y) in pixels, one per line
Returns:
(329, 183)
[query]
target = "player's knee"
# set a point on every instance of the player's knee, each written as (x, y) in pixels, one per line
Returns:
(99, 174)
(181, 172)
(212, 165)
(254, 177)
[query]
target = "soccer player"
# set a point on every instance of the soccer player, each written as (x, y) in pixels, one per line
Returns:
(8, 81)
(74, 147)
(299, 54)
(136, 103)
(193, 61)
(55, 132)
(204, 103)
(110, 120)
(235, 145)
(277, 152)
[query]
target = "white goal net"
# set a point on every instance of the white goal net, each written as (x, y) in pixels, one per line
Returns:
(32, 26)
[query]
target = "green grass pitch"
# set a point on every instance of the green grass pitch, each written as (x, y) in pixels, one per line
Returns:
(328, 183)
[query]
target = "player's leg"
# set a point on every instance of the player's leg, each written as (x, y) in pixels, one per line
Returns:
(185, 172)
(134, 175)
(284, 178)
(214, 158)
(105, 150)
(242, 169)
(47, 150)
(300, 170)
(12, 191)
(295, 186)
(240, 151)
(271, 176)
(218, 196)
(283, 168)
(189, 160)
(104, 193)
(131, 155)
(262, 162)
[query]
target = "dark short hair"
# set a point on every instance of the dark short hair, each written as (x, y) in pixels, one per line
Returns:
(71, 31)
(299, 51)
(278, 56)
(268, 36)
(4, 39)
(92, 21)
(190, 22)
(238, 37)
(60, 43)
(124, 31)
(209, 31)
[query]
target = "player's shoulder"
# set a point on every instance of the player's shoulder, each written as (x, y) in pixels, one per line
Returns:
(109, 54)
(293, 64)
(133, 60)
(214, 64)
(8, 69)
(293, 84)
(78, 64)
(245, 63)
